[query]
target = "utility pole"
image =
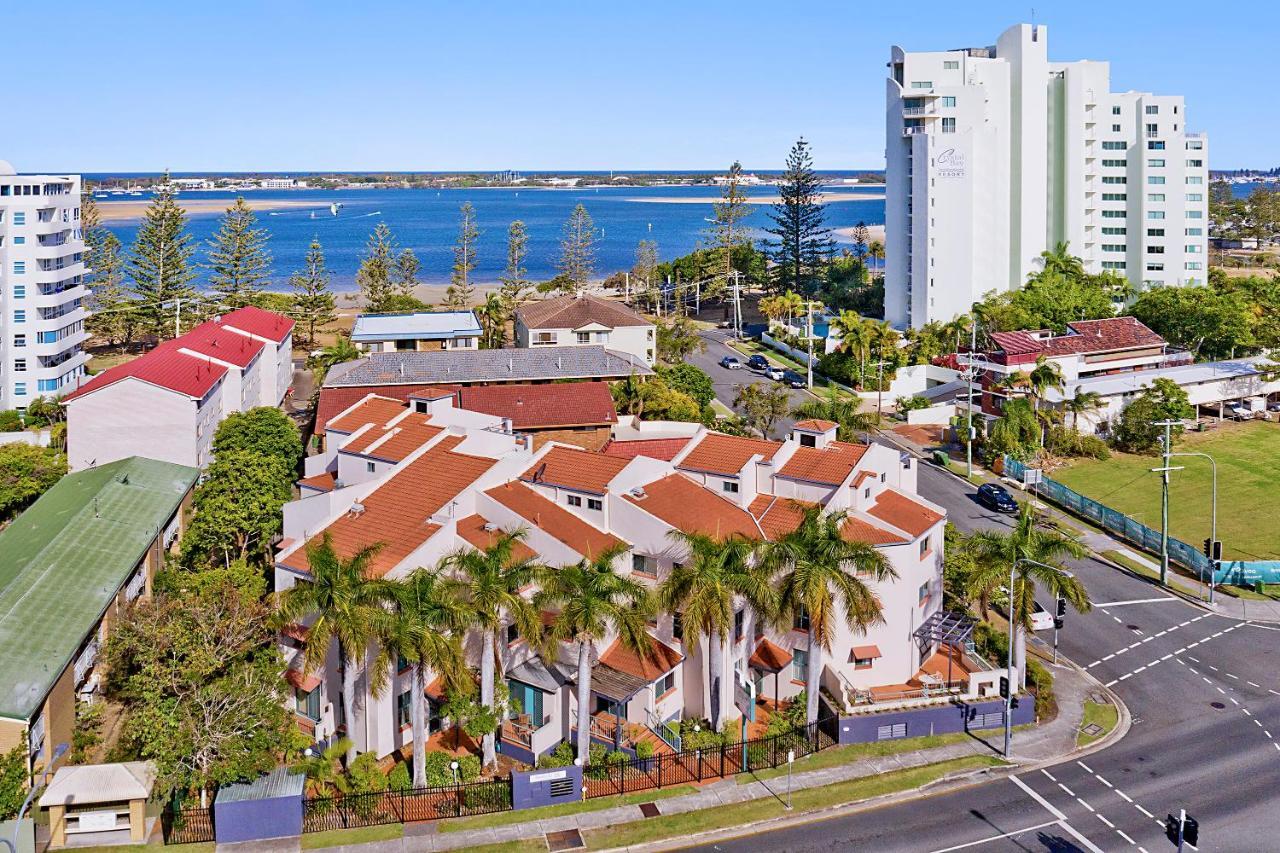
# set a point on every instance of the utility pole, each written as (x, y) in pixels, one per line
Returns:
(1164, 497)
(809, 363)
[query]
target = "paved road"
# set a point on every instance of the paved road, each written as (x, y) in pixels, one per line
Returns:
(1204, 693)
(727, 381)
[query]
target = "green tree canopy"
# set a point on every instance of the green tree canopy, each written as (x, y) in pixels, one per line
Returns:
(1212, 322)
(801, 244)
(577, 261)
(264, 430)
(26, 473)
(689, 379)
(678, 339)
(237, 508)
(160, 263)
(239, 262)
(313, 301)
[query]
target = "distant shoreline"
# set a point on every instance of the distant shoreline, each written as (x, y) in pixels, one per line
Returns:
(125, 211)
(825, 198)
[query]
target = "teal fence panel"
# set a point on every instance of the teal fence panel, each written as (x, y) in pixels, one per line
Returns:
(1243, 572)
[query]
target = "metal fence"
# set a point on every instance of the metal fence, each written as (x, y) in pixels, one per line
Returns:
(414, 804)
(186, 826)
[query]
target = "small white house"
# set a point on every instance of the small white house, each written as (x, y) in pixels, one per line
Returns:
(583, 320)
(420, 331)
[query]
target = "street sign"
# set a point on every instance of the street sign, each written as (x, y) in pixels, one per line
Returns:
(744, 695)
(1032, 476)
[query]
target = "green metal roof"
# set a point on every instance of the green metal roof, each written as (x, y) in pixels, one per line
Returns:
(65, 558)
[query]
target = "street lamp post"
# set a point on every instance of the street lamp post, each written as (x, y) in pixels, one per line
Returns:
(1213, 518)
(1163, 471)
(971, 373)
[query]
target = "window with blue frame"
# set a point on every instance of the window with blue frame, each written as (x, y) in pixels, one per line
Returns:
(307, 703)
(20, 389)
(19, 291)
(529, 700)
(47, 385)
(19, 218)
(19, 267)
(19, 316)
(800, 665)
(19, 241)
(404, 708)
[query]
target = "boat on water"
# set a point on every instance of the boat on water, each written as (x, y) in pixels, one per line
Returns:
(335, 207)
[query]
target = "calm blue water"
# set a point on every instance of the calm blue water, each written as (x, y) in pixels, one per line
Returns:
(427, 221)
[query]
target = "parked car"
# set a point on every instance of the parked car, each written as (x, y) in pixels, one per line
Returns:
(1041, 619)
(795, 380)
(775, 373)
(758, 362)
(730, 362)
(1239, 412)
(996, 497)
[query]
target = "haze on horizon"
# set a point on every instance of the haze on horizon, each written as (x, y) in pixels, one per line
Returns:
(298, 86)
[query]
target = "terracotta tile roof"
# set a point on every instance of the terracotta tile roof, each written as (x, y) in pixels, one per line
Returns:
(398, 512)
(163, 366)
(864, 652)
(904, 513)
(334, 401)
(650, 664)
(322, 482)
(567, 404)
(815, 425)
(829, 465)
(393, 443)
(779, 516)
(296, 631)
(685, 505)
(1082, 337)
(574, 312)
(371, 410)
(472, 531)
(305, 683)
(256, 321)
(573, 468)
(769, 656)
(211, 339)
(555, 520)
(655, 448)
(718, 453)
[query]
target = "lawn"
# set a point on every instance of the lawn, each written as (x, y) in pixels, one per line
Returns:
(808, 799)
(360, 835)
(595, 805)
(1248, 457)
(1105, 715)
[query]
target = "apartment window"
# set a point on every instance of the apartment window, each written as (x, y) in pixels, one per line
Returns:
(19, 241)
(404, 708)
(861, 663)
(1155, 250)
(1156, 163)
(19, 340)
(1113, 265)
(1194, 164)
(307, 703)
(19, 267)
(19, 218)
(1114, 197)
(800, 665)
(1195, 145)
(921, 84)
(922, 594)
(584, 337)
(1155, 179)
(730, 487)
(1155, 232)
(20, 389)
(370, 467)
(595, 504)
(1195, 179)
(1155, 146)
(544, 338)
(1195, 214)
(1114, 179)
(1115, 232)
(1152, 129)
(1151, 110)
(1115, 111)
(1158, 197)
(1195, 197)
(19, 316)
(951, 64)
(677, 626)
(1155, 214)
(1113, 214)
(739, 624)
(1113, 247)
(512, 634)
(1194, 265)
(800, 622)
(19, 365)
(47, 385)
(573, 500)
(641, 565)
(1115, 128)
(1113, 146)
(1192, 249)
(1115, 164)
(664, 685)
(948, 125)
(19, 291)
(1155, 267)
(1193, 232)
(948, 101)
(924, 547)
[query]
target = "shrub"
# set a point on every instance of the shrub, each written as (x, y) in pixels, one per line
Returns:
(400, 779)
(911, 404)
(440, 772)
(10, 421)
(469, 768)
(365, 775)
(616, 756)
(1040, 680)
(644, 750)
(561, 756)
(1068, 442)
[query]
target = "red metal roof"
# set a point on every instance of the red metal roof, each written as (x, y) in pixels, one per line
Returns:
(263, 324)
(164, 367)
(212, 339)
(570, 404)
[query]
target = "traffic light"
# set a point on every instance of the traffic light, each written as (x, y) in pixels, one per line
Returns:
(1062, 608)
(1208, 549)
(1213, 549)
(1004, 687)
(1058, 622)
(1013, 704)
(1191, 831)
(1171, 828)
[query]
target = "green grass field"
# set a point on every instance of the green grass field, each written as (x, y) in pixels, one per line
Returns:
(1248, 457)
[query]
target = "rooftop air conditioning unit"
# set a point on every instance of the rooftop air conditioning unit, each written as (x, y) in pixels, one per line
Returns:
(638, 493)
(490, 527)
(357, 508)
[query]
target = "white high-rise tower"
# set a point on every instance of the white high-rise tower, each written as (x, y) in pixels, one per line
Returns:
(995, 154)
(42, 290)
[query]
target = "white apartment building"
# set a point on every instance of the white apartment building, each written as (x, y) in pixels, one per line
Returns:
(585, 320)
(42, 289)
(995, 154)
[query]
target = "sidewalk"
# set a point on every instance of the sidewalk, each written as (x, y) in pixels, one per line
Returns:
(1049, 742)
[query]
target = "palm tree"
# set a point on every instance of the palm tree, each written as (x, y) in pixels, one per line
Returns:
(349, 608)
(1045, 375)
(341, 350)
(629, 395)
(876, 250)
(1082, 403)
(845, 412)
(591, 601)
(855, 337)
(1030, 539)
(1060, 261)
(819, 574)
(489, 583)
(492, 314)
(1016, 430)
(430, 620)
(324, 778)
(705, 589)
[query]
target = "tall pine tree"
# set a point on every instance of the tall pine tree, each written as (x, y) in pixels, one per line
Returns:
(406, 276)
(160, 263)
(461, 292)
(111, 317)
(375, 276)
(312, 298)
(729, 230)
(238, 261)
(515, 282)
(802, 244)
(578, 249)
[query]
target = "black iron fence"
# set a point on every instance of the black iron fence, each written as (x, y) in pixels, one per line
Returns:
(690, 766)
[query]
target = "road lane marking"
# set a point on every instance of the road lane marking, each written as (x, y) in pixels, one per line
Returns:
(1137, 601)
(1120, 832)
(1041, 800)
(1084, 767)
(1070, 793)
(1109, 824)
(997, 837)
(1048, 774)
(1144, 811)
(1124, 796)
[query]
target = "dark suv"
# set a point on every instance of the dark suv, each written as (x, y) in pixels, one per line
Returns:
(995, 497)
(758, 362)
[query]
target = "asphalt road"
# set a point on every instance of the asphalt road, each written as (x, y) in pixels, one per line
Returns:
(727, 381)
(1204, 693)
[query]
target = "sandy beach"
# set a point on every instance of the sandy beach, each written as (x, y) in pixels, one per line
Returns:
(845, 235)
(124, 211)
(758, 199)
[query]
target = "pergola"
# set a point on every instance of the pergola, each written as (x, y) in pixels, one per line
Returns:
(946, 628)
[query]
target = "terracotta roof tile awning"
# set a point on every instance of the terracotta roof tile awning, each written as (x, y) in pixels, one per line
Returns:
(685, 505)
(779, 516)
(718, 453)
(904, 513)
(664, 449)
(295, 631)
(815, 425)
(334, 401)
(769, 656)
(553, 519)
(322, 482)
(858, 529)
(305, 683)
(829, 465)
(650, 663)
(574, 468)
(864, 653)
(570, 404)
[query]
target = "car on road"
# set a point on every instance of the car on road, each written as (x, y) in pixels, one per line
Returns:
(775, 373)
(996, 497)
(730, 362)
(1041, 619)
(795, 380)
(758, 362)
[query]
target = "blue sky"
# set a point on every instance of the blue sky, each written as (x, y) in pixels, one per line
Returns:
(643, 84)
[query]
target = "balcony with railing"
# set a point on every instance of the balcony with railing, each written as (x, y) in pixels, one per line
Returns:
(914, 130)
(85, 661)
